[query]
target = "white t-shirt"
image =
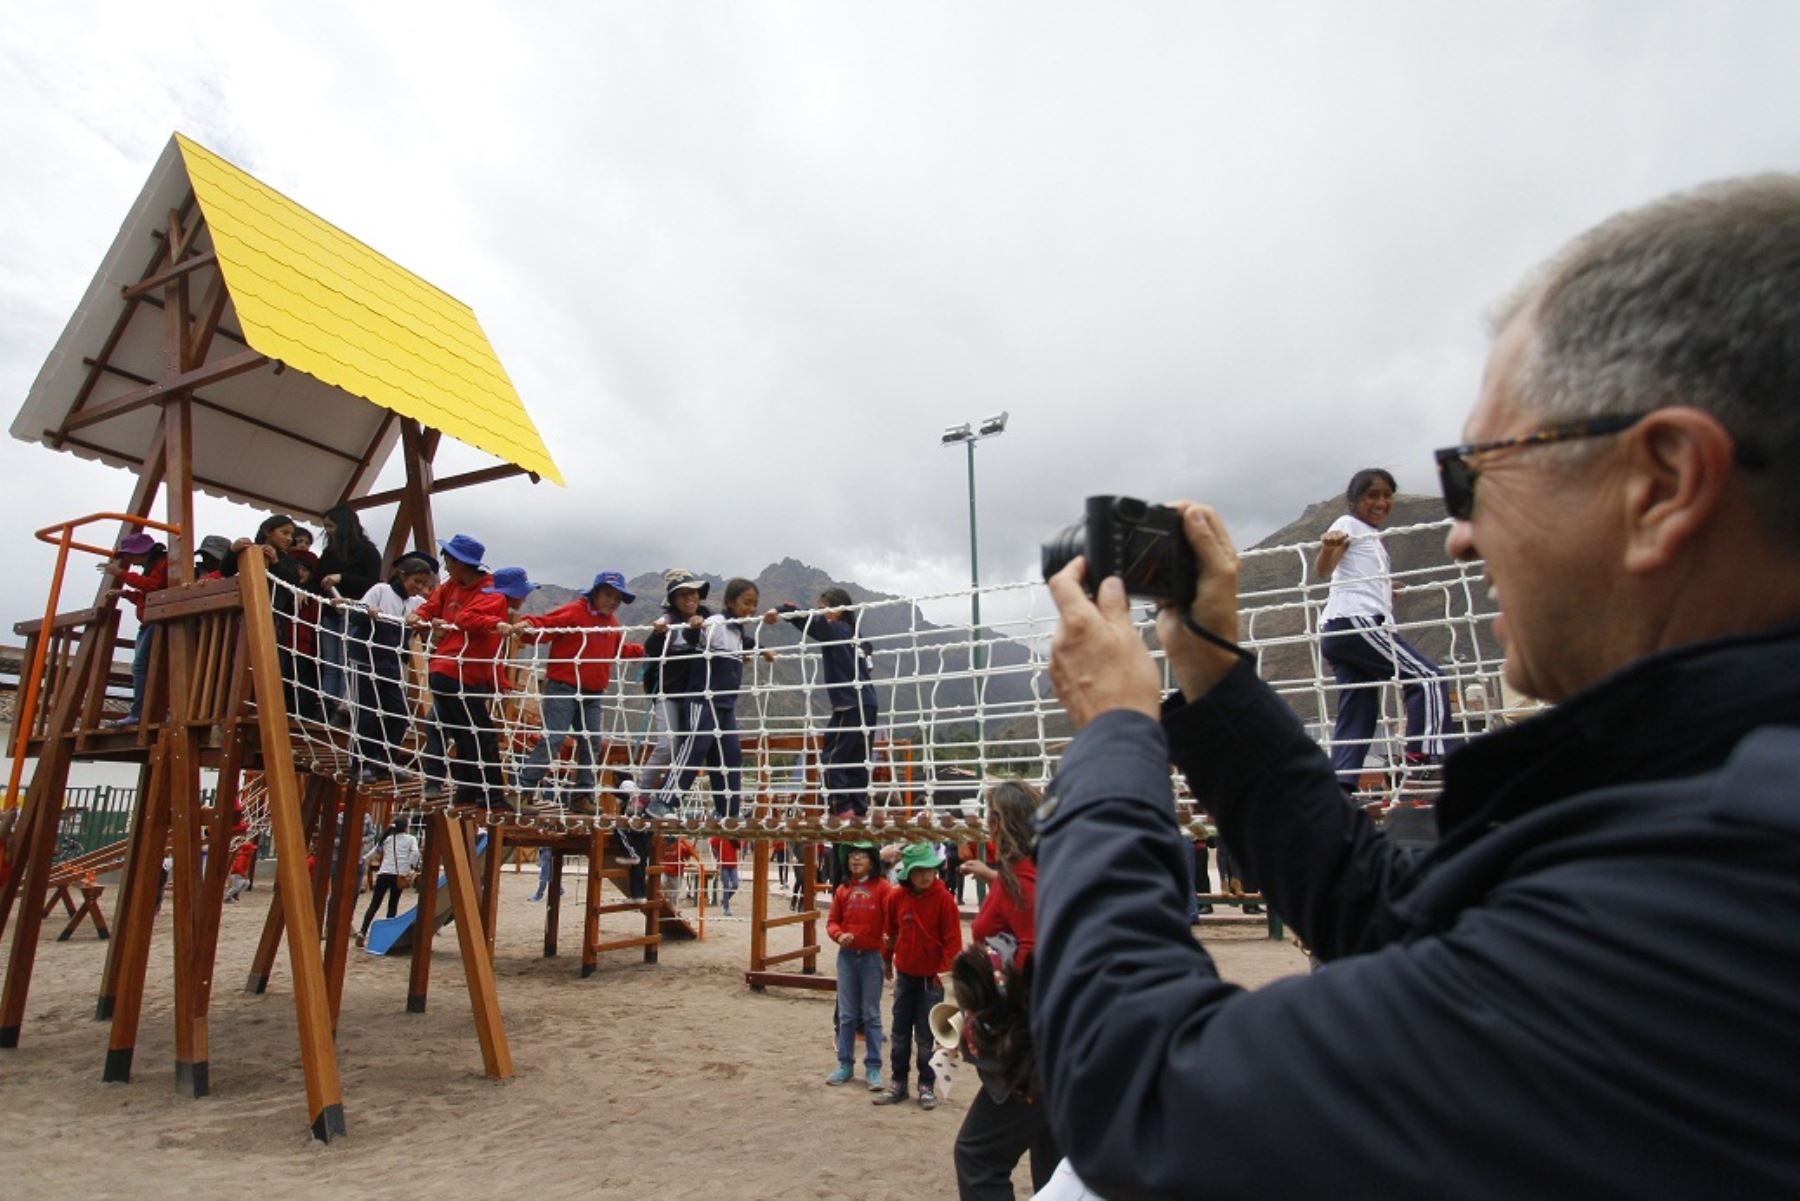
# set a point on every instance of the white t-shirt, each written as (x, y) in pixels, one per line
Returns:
(389, 603)
(399, 855)
(1362, 584)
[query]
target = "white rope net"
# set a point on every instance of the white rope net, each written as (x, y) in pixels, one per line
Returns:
(952, 706)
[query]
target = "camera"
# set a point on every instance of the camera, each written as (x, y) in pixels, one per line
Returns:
(1142, 544)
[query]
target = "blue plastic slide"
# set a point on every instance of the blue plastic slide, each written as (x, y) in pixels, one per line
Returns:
(393, 935)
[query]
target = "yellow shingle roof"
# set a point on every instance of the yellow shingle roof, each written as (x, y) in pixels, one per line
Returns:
(323, 303)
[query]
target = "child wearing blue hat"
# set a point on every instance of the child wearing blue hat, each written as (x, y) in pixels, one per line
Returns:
(585, 641)
(465, 667)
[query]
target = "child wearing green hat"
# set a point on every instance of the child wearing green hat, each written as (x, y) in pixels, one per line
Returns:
(924, 935)
(858, 925)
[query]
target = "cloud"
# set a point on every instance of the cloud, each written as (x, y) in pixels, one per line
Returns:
(744, 262)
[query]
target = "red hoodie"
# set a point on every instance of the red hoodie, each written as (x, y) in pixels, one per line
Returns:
(140, 584)
(446, 603)
(582, 654)
(859, 908)
(999, 914)
(924, 929)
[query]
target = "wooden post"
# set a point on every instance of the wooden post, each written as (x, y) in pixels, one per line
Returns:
(425, 925)
(553, 902)
(276, 922)
(478, 967)
(590, 926)
(135, 927)
(175, 745)
(490, 882)
(45, 798)
(759, 909)
(324, 1096)
(343, 898)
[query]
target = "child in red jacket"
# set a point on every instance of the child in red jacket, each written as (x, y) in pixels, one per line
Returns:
(858, 925)
(151, 559)
(585, 640)
(924, 936)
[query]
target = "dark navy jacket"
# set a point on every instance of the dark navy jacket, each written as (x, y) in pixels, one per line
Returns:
(1589, 988)
(845, 669)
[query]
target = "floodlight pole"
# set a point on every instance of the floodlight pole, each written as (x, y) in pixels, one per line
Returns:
(969, 434)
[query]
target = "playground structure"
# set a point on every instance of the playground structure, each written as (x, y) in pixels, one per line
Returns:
(287, 384)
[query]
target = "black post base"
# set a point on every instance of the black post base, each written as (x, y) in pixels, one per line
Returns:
(329, 1124)
(415, 1002)
(118, 1066)
(588, 969)
(256, 985)
(103, 1009)
(9, 1036)
(191, 1079)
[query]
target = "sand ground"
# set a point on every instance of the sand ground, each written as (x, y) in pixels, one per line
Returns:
(668, 1080)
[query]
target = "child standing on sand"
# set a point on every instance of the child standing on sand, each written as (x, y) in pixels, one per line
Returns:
(924, 934)
(858, 924)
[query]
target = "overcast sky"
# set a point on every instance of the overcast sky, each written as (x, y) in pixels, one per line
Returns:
(744, 261)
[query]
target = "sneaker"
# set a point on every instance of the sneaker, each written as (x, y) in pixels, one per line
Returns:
(535, 897)
(873, 1076)
(893, 1094)
(843, 1075)
(927, 1098)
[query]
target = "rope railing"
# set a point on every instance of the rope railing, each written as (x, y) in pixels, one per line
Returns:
(777, 753)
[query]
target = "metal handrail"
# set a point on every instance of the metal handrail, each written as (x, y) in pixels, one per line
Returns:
(61, 536)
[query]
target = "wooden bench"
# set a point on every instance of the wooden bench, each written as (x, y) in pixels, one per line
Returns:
(81, 872)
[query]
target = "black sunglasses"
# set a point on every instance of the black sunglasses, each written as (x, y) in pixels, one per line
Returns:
(1458, 475)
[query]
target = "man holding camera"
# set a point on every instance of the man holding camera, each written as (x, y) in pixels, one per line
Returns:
(1590, 986)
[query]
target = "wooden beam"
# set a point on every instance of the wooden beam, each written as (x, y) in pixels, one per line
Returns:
(213, 406)
(324, 1096)
(367, 459)
(590, 926)
(199, 377)
(425, 925)
(175, 742)
(343, 897)
(121, 323)
(167, 274)
(449, 483)
(490, 884)
(552, 903)
(478, 965)
(212, 311)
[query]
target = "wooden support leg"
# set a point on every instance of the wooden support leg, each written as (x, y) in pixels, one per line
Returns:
(759, 909)
(590, 926)
(425, 925)
(130, 880)
(478, 965)
(270, 944)
(32, 878)
(135, 929)
(552, 903)
(490, 884)
(343, 900)
(175, 743)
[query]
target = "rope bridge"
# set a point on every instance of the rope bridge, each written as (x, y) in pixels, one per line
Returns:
(358, 689)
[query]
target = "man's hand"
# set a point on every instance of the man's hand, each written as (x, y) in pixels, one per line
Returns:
(1196, 663)
(1098, 661)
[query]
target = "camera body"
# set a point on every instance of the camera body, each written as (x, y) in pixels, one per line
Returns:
(1141, 543)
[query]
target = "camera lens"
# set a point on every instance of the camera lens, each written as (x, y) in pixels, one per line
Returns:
(1061, 547)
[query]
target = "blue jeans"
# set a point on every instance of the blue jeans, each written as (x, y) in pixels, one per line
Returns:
(913, 998)
(331, 655)
(567, 710)
(859, 999)
(140, 669)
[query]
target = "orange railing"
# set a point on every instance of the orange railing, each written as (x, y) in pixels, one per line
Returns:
(63, 538)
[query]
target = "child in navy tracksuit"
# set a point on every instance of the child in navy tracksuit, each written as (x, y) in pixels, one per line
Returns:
(677, 678)
(853, 707)
(709, 719)
(924, 934)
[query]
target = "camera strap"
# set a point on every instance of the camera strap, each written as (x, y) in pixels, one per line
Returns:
(1206, 635)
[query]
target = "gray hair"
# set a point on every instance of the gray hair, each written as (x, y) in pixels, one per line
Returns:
(1693, 300)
